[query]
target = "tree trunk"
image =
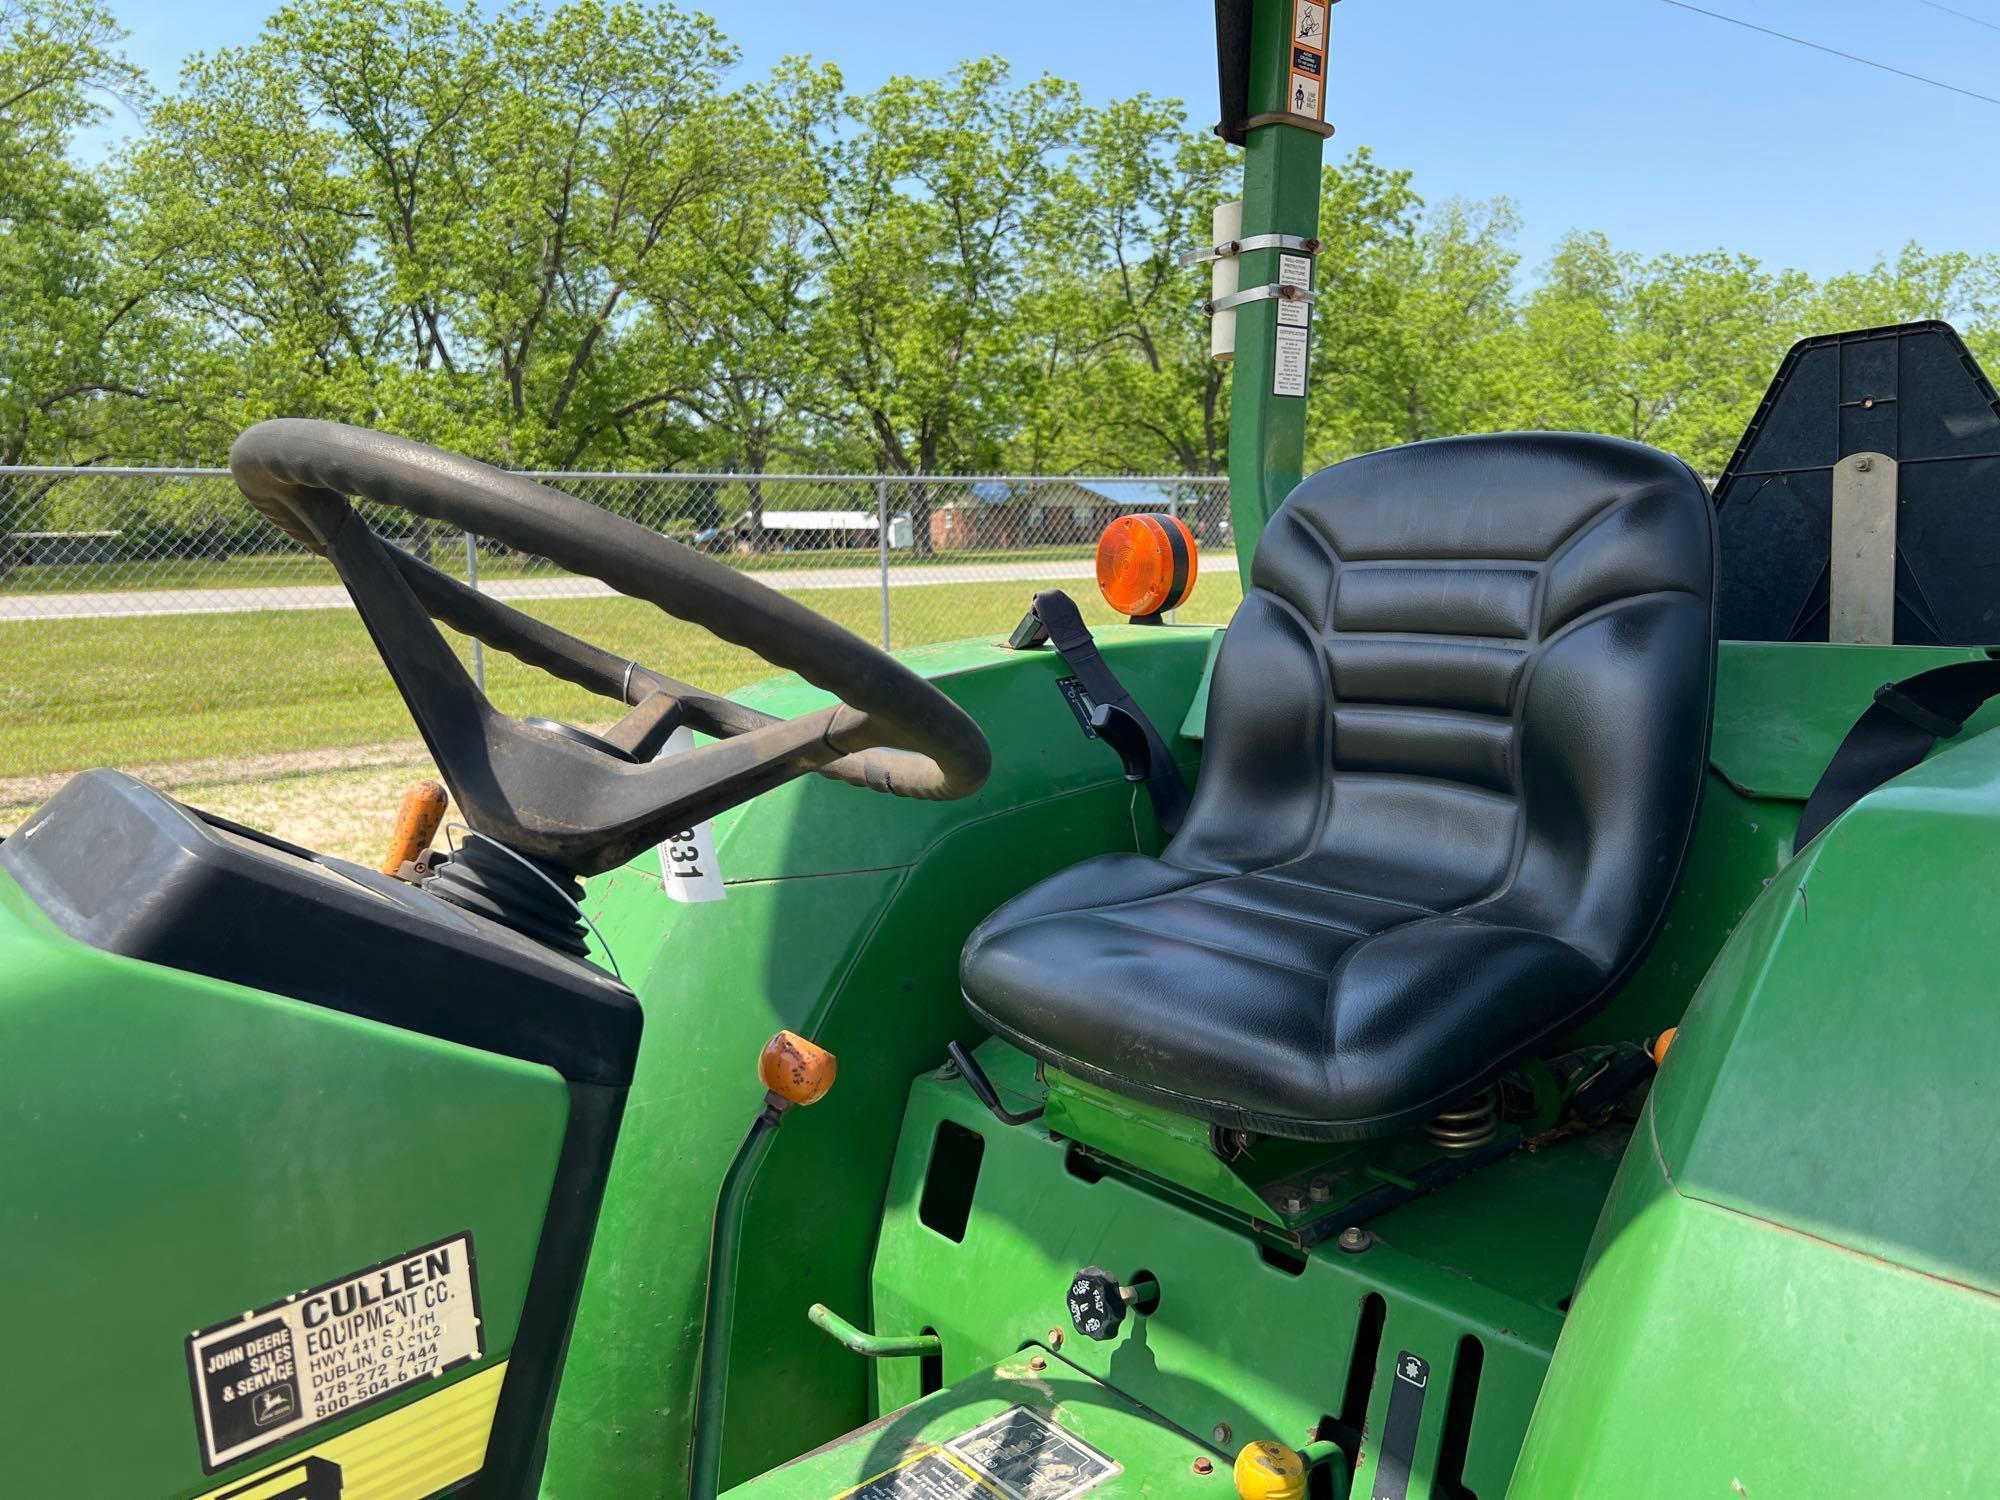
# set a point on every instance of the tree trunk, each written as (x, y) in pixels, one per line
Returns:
(919, 495)
(755, 537)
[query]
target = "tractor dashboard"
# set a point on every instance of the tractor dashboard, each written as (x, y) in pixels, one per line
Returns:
(125, 868)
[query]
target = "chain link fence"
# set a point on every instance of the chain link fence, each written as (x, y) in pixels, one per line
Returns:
(149, 618)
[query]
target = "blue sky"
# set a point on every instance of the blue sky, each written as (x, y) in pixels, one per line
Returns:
(1667, 129)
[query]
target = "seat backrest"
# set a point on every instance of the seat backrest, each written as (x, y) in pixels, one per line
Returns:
(1473, 673)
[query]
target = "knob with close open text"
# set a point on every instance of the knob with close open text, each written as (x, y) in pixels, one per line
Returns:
(1098, 1301)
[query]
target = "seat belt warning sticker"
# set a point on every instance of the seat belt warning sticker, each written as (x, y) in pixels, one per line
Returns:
(296, 1364)
(1077, 696)
(1018, 1455)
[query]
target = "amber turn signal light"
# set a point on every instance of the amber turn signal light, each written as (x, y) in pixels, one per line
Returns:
(1146, 564)
(796, 1070)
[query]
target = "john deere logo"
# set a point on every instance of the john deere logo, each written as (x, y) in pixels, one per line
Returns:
(273, 1405)
(311, 1478)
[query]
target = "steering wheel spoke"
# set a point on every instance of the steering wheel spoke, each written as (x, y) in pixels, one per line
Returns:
(582, 802)
(647, 725)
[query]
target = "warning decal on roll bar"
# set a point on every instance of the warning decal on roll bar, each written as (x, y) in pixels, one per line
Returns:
(295, 1364)
(1308, 59)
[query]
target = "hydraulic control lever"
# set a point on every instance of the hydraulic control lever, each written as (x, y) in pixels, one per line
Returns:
(794, 1072)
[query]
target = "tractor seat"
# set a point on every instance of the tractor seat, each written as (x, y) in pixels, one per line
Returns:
(1456, 738)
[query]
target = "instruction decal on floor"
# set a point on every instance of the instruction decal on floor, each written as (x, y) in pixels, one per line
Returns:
(932, 1475)
(1018, 1455)
(286, 1368)
(1031, 1458)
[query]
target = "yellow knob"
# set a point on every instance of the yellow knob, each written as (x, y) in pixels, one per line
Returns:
(1270, 1471)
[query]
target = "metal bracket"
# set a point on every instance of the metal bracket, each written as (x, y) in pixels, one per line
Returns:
(1281, 291)
(1301, 243)
(1861, 551)
(1285, 117)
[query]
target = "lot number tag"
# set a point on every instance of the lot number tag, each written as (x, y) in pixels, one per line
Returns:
(687, 859)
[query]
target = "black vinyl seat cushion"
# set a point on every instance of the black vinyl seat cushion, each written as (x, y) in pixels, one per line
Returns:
(1455, 744)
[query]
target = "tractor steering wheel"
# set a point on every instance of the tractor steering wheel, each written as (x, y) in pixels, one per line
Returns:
(583, 802)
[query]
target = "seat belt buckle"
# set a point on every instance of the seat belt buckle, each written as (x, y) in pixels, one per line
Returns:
(1939, 726)
(1126, 735)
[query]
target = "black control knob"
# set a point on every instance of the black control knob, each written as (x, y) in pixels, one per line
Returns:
(1098, 1301)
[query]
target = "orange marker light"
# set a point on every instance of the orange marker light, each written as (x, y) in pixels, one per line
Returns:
(1660, 1044)
(1146, 564)
(796, 1070)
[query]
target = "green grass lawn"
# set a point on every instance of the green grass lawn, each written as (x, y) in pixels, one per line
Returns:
(124, 692)
(246, 570)
(294, 569)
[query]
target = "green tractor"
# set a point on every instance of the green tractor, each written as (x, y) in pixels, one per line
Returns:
(1547, 1053)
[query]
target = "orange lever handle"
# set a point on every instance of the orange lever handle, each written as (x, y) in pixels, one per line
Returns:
(796, 1070)
(417, 823)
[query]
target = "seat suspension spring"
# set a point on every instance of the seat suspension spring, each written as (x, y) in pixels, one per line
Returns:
(1468, 1124)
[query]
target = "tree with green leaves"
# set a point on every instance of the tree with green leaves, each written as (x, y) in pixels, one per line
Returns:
(1415, 310)
(1673, 350)
(744, 311)
(1120, 378)
(549, 236)
(1961, 288)
(76, 338)
(918, 195)
(421, 219)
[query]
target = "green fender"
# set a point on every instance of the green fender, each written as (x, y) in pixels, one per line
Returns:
(1795, 1286)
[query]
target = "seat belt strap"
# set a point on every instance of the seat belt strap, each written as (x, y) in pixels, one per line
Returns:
(1896, 733)
(1117, 718)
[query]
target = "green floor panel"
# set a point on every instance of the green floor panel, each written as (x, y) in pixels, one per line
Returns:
(954, 1444)
(1245, 1336)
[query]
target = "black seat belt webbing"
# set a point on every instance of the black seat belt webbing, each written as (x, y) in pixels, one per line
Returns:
(1117, 719)
(1896, 733)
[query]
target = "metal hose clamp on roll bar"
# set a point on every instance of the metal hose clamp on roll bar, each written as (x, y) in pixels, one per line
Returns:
(1301, 243)
(1282, 291)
